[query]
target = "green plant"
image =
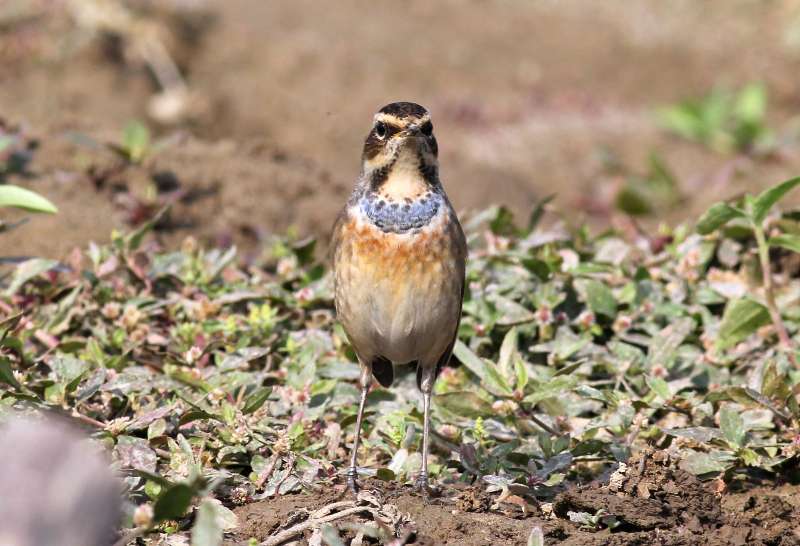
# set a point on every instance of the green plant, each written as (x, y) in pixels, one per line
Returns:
(135, 143)
(723, 120)
(17, 197)
(656, 190)
(594, 521)
(744, 316)
(731, 445)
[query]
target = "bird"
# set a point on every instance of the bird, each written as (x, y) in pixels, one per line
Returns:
(399, 257)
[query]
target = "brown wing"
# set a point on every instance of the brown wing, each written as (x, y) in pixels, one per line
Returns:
(336, 235)
(461, 256)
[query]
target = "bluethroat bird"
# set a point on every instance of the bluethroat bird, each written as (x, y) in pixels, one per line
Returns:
(398, 258)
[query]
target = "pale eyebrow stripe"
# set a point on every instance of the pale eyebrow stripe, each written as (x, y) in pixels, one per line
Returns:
(400, 122)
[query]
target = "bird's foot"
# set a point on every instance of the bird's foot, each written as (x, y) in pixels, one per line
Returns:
(352, 484)
(424, 487)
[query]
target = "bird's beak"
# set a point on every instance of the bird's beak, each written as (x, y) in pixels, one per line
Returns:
(411, 131)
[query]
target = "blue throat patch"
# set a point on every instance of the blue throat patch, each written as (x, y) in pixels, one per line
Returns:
(395, 217)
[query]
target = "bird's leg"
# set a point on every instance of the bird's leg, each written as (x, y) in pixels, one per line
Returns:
(422, 479)
(427, 379)
(352, 472)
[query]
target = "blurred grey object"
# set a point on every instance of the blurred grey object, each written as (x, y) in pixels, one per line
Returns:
(56, 489)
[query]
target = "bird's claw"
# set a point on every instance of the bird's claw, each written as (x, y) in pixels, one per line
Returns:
(352, 484)
(424, 487)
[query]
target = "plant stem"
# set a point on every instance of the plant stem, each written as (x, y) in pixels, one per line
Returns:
(769, 294)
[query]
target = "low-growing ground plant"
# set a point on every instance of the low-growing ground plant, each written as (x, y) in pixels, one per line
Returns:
(215, 384)
(723, 120)
(743, 316)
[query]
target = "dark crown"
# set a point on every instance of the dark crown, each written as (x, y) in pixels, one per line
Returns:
(404, 110)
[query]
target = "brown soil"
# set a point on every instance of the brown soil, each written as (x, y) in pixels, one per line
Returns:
(656, 503)
(526, 99)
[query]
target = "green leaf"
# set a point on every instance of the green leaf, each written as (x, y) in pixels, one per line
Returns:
(134, 239)
(538, 212)
(173, 503)
(556, 387)
(510, 312)
(597, 296)
(751, 103)
(664, 346)
(717, 216)
(732, 426)
(774, 383)
(633, 200)
(68, 368)
(6, 142)
(7, 375)
(27, 270)
(503, 222)
(256, 400)
(473, 362)
(464, 404)
(662, 177)
(699, 434)
(699, 463)
(787, 241)
(522, 375)
(567, 343)
(152, 477)
(508, 354)
(741, 318)
(684, 120)
(194, 415)
(659, 386)
(21, 198)
(385, 474)
(749, 457)
(135, 141)
(206, 530)
(486, 372)
(766, 199)
(133, 452)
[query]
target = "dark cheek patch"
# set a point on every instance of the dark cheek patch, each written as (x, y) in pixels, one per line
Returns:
(379, 176)
(372, 146)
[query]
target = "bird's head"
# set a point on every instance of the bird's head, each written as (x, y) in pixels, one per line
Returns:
(401, 140)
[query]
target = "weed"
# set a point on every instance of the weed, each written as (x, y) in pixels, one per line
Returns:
(722, 120)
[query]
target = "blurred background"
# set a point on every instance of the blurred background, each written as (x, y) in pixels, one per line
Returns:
(248, 116)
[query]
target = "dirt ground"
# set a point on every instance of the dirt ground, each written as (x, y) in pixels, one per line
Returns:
(527, 97)
(655, 504)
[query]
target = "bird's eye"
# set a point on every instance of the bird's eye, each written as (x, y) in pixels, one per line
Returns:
(380, 130)
(427, 128)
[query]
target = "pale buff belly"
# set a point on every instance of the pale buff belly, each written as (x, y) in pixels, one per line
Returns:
(399, 296)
